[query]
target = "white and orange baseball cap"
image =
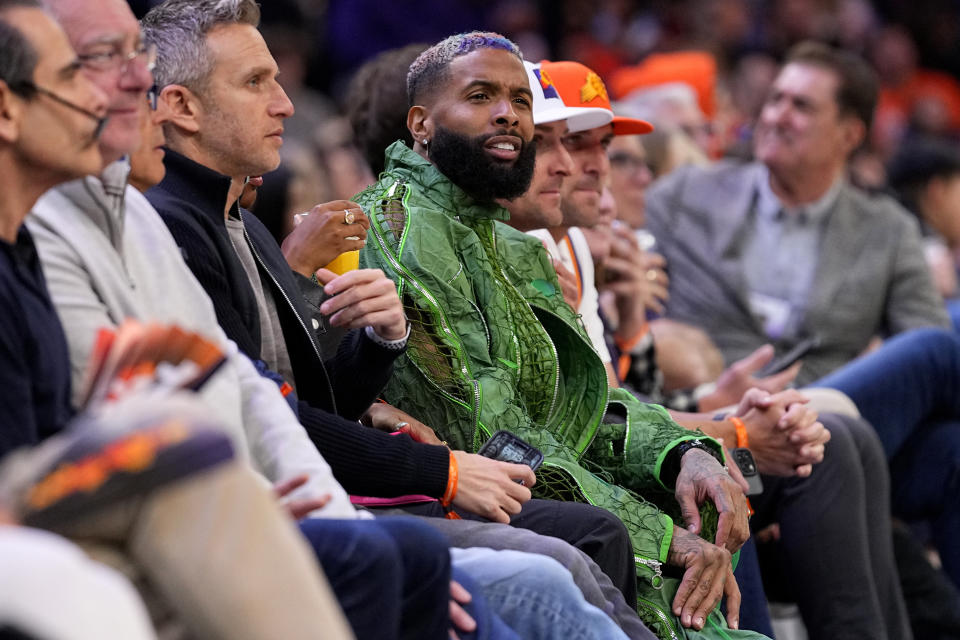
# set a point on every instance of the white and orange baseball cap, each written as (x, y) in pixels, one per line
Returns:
(548, 107)
(581, 88)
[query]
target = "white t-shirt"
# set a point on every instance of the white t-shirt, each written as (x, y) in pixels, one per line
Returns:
(573, 252)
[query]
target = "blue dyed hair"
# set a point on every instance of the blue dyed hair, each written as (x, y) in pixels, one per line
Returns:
(431, 66)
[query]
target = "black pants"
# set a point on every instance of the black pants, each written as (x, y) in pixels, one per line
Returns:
(835, 555)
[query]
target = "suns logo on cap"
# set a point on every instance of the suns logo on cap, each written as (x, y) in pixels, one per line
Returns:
(549, 91)
(593, 88)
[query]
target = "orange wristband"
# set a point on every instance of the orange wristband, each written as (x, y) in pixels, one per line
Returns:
(452, 478)
(742, 440)
(626, 346)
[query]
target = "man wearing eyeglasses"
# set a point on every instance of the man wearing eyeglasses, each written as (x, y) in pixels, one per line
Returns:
(113, 55)
(50, 115)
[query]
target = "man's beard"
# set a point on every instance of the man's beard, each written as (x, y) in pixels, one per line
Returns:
(464, 161)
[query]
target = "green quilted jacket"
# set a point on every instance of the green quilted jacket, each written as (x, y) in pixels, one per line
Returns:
(494, 346)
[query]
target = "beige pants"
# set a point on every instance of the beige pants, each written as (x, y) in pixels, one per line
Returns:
(218, 552)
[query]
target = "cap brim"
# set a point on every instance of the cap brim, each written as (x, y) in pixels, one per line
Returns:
(578, 118)
(630, 126)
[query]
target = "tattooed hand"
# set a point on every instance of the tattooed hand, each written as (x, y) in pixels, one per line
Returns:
(707, 577)
(701, 477)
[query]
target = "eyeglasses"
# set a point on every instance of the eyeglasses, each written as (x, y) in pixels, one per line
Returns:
(117, 60)
(627, 161)
(152, 94)
(101, 122)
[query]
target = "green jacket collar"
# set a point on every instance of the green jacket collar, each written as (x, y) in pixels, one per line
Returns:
(437, 187)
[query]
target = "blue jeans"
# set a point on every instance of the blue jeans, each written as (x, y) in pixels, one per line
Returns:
(535, 595)
(391, 576)
(489, 624)
(909, 390)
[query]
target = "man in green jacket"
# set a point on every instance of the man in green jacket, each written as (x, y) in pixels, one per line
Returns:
(486, 353)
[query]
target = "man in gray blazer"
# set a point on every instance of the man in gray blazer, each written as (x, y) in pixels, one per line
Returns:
(785, 248)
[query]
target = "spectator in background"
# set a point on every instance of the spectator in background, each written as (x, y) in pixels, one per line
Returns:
(802, 161)
(925, 174)
(376, 89)
(913, 100)
(672, 91)
(146, 163)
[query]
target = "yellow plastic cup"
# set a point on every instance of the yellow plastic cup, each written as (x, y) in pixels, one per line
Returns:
(346, 261)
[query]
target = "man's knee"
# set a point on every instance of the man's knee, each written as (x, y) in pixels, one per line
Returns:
(841, 472)
(353, 549)
(420, 546)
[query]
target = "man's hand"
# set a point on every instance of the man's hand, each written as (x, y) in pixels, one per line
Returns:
(637, 280)
(386, 417)
(323, 234)
(460, 620)
(299, 509)
(363, 298)
(708, 576)
(785, 435)
(486, 487)
(738, 378)
(701, 477)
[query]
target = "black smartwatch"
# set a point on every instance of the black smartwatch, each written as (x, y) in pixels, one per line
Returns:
(671, 465)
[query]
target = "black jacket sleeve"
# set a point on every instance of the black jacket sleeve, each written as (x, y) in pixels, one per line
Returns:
(358, 368)
(368, 462)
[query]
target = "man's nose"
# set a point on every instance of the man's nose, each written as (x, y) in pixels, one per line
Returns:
(563, 165)
(644, 174)
(97, 101)
(136, 76)
(282, 106)
(505, 114)
(595, 161)
(775, 111)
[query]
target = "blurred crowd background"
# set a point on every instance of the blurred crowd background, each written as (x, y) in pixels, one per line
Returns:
(726, 51)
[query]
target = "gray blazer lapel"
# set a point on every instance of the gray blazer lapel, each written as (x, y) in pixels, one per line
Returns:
(838, 253)
(721, 207)
(735, 190)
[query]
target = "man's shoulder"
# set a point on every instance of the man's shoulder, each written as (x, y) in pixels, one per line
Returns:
(879, 209)
(172, 205)
(723, 172)
(515, 236)
(702, 187)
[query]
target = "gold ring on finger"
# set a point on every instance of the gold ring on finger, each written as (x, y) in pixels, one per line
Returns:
(348, 216)
(651, 274)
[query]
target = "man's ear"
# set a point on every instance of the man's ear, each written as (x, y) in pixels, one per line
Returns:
(420, 126)
(10, 114)
(854, 132)
(181, 107)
